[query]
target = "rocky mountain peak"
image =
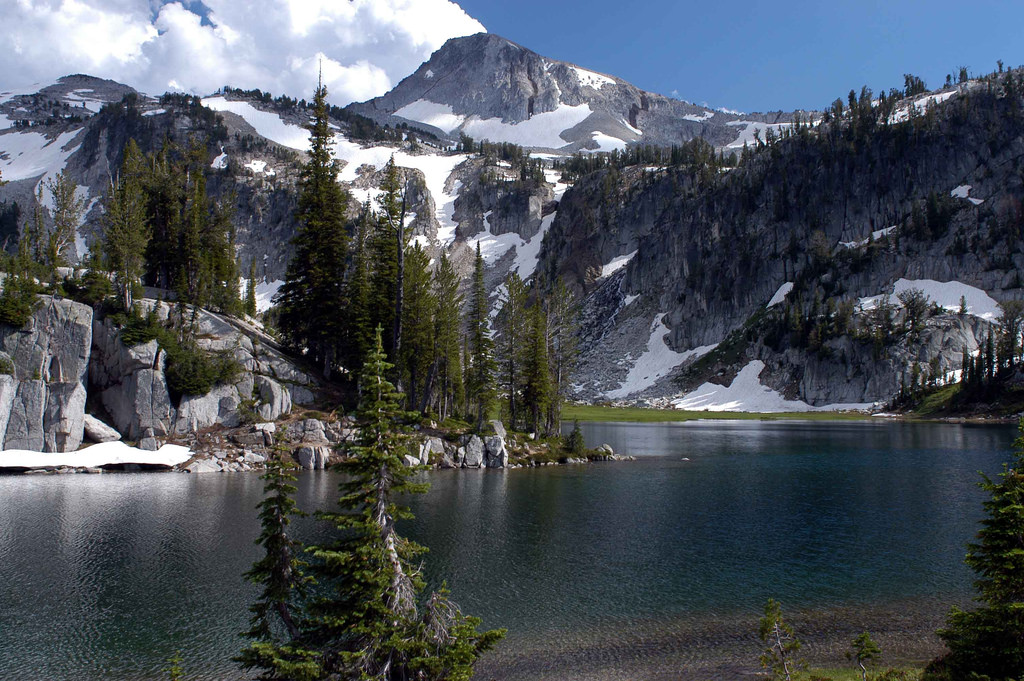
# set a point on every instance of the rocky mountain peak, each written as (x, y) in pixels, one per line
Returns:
(488, 87)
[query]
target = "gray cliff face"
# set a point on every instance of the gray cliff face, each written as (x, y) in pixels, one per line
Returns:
(488, 77)
(42, 404)
(710, 255)
(64, 354)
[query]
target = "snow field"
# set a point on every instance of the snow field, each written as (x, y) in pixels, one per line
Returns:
(592, 80)
(616, 264)
(875, 236)
(963, 192)
(780, 295)
(746, 393)
(31, 154)
(944, 293)
(440, 116)
(267, 124)
(657, 361)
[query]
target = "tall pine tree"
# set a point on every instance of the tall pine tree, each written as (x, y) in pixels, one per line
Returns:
(367, 620)
(480, 368)
(312, 297)
(126, 225)
(512, 329)
(275, 632)
(447, 337)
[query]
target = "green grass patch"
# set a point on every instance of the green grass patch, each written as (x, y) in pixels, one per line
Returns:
(853, 674)
(643, 415)
(937, 401)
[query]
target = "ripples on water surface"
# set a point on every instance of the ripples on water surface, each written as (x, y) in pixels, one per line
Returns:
(648, 569)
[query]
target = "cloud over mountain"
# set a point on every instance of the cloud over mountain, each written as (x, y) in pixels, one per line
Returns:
(365, 46)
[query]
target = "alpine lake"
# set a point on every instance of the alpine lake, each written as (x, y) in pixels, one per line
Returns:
(650, 569)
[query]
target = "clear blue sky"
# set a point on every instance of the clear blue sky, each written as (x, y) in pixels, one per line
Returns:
(761, 56)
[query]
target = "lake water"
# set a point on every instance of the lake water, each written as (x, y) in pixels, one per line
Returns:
(655, 569)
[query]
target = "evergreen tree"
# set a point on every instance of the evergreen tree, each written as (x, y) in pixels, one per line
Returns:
(512, 326)
(447, 334)
(563, 326)
(275, 631)
(386, 245)
(249, 304)
(312, 296)
(358, 330)
(67, 212)
(780, 643)
(164, 184)
(863, 651)
(417, 345)
(480, 386)
(989, 642)
(219, 267)
(367, 622)
(537, 392)
(126, 225)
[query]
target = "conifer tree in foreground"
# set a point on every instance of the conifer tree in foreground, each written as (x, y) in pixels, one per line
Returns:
(367, 622)
(275, 630)
(312, 297)
(989, 642)
(126, 225)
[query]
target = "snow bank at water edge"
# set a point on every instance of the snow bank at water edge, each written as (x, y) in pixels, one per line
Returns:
(105, 454)
(746, 393)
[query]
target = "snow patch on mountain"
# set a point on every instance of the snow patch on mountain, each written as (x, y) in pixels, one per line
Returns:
(656, 362)
(699, 118)
(781, 294)
(493, 246)
(607, 142)
(746, 393)
(528, 253)
(541, 130)
(265, 292)
(267, 124)
(746, 135)
(963, 192)
(440, 116)
(25, 155)
(875, 236)
(591, 79)
(221, 161)
(257, 166)
(436, 169)
(946, 294)
(616, 264)
(919, 106)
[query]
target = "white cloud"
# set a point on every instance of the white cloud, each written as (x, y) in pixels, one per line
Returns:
(364, 46)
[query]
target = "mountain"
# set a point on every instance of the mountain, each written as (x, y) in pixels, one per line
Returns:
(764, 281)
(487, 87)
(779, 284)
